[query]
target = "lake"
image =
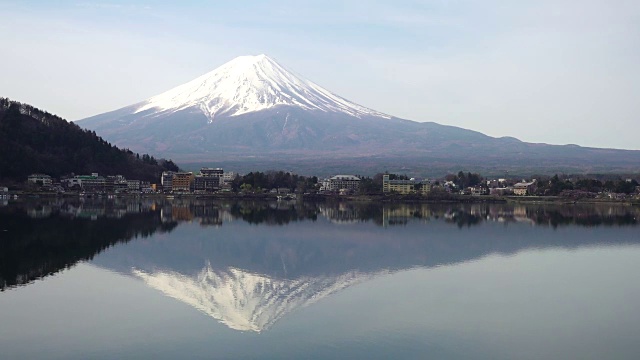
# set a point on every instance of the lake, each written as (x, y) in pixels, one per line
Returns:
(167, 279)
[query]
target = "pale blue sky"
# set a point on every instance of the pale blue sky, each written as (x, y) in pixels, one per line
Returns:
(543, 71)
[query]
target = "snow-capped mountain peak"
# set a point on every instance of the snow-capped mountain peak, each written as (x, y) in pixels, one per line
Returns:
(248, 84)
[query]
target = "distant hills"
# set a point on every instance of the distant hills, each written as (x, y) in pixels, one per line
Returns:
(35, 141)
(253, 114)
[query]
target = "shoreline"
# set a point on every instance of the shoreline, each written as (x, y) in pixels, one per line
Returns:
(394, 198)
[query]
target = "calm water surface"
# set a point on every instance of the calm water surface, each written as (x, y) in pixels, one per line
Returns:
(245, 280)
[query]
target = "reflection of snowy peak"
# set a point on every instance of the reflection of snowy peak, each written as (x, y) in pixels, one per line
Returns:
(245, 301)
(248, 84)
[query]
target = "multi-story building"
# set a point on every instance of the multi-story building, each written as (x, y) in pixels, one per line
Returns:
(228, 176)
(115, 184)
(39, 179)
(405, 186)
(182, 181)
(92, 182)
(208, 180)
(342, 182)
(145, 187)
(227, 179)
(166, 180)
(217, 172)
(133, 185)
(206, 183)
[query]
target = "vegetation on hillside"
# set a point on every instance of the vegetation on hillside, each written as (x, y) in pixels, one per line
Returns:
(259, 181)
(35, 141)
(557, 186)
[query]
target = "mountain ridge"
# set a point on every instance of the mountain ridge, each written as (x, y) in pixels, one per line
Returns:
(253, 107)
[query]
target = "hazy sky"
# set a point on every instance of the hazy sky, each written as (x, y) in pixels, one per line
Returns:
(555, 71)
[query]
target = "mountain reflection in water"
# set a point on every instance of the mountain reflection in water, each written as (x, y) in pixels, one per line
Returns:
(237, 262)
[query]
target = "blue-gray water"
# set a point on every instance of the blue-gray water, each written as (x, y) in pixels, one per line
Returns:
(104, 279)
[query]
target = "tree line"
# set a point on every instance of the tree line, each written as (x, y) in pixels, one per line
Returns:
(258, 181)
(556, 186)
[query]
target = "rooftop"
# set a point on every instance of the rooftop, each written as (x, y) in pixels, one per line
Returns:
(345, 177)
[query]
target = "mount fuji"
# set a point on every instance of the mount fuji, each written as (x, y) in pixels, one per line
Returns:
(253, 109)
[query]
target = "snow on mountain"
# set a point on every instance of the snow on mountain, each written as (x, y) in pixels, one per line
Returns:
(253, 112)
(245, 301)
(248, 84)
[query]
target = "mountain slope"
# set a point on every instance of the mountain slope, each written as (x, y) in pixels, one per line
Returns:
(34, 141)
(252, 107)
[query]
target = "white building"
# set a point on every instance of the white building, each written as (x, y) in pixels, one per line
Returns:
(167, 180)
(524, 188)
(227, 179)
(39, 179)
(342, 182)
(92, 182)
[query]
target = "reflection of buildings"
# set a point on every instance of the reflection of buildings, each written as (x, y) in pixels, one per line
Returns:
(341, 213)
(89, 209)
(245, 301)
(277, 213)
(401, 214)
(40, 212)
(181, 213)
(207, 213)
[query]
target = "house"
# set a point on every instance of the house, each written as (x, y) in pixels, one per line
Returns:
(524, 188)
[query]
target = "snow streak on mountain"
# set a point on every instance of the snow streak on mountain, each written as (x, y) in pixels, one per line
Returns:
(248, 84)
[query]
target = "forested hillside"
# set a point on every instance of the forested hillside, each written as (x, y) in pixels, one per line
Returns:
(35, 141)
